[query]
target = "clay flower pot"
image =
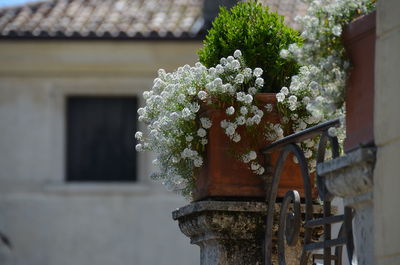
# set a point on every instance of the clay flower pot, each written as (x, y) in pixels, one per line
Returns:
(224, 177)
(359, 40)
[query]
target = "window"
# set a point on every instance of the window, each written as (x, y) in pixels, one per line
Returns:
(100, 139)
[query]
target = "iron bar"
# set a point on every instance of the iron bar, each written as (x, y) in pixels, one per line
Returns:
(325, 244)
(327, 220)
(300, 136)
(290, 220)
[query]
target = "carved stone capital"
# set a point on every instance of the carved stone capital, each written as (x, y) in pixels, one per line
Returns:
(227, 232)
(350, 176)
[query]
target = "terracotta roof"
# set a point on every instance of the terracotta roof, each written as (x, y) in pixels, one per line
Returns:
(116, 19)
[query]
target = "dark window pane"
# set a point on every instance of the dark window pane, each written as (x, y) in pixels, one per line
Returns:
(100, 138)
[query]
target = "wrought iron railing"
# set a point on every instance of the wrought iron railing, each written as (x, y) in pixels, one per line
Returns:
(291, 220)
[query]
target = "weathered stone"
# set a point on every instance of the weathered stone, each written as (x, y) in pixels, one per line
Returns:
(227, 232)
(351, 177)
(232, 233)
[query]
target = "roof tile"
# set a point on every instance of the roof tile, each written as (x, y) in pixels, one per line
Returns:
(118, 19)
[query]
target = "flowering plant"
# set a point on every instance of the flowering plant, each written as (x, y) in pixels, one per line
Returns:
(177, 129)
(316, 93)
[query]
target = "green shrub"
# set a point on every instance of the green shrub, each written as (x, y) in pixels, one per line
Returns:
(260, 35)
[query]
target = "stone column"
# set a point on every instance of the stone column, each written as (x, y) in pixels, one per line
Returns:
(228, 233)
(232, 233)
(351, 178)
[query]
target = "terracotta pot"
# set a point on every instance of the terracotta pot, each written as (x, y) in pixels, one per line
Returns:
(223, 176)
(359, 40)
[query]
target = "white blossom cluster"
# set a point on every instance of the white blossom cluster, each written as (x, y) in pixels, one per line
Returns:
(177, 128)
(316, 93)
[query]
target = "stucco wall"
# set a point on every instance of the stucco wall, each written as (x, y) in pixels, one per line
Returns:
(48, 221)
(387, 134)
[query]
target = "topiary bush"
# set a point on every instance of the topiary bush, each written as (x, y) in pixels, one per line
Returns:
(260, 35)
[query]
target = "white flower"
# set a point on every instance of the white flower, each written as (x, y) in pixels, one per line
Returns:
(302, 125)
(202, 95)
(247, 72)
(259, 82)
(239, 79)
(252, 90)
(219, 69)
(260, 171)
(252, 155)
(257, 72)
(243, 110)
(294, 49)
(191, 91)
(139, 147)
(278, 131)
(174, 116)
(292, 99)
(309, 143)
(146, 94)
(237, 54)
(332, 131)
(205, 123)
(141, 111)
(230, 130)
(305, 100)
(308, 153)
(223, 61)
(280, 97)
(249, 121)
(230, 110)
(268, 107)
(181, 97)
(201, 132)
(217, 82)
(224, 124)
(198, 162)
(240, 120)
(235, 65)
(236, 138)
(186, 113)
(139, 135)
(240, 96)
(256, 119)
(284, 53)
(204, 141)
(187, 153)
(246, 158)
(248, 99)
(189, 138)
(254, 166)
(174, 160)
(194, 107)
(285, 91)
(337, 30)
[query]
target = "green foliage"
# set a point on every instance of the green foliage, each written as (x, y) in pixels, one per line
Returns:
(260, 35)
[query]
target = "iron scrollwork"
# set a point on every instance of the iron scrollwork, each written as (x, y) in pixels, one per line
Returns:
(291, 217)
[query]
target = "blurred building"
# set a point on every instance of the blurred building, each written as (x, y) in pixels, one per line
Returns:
(72, 188)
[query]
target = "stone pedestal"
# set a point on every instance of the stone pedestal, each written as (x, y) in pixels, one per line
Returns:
(232, 233)
(227, 232)
(351, 178)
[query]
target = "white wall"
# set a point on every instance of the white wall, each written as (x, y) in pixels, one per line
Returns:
(387, 134)
(48, 221)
